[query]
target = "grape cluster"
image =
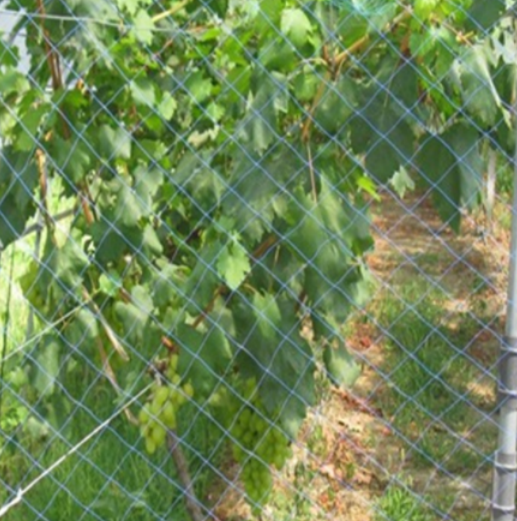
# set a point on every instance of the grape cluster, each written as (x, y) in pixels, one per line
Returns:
(256, 445)
(160, 413)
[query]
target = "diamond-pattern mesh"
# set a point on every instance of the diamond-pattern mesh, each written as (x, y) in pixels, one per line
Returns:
(414, 437)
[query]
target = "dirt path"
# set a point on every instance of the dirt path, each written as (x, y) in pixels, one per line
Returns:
(469, 269)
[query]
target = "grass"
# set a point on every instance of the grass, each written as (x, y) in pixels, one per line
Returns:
(13, 329)
(110, 477)
(439, 424)
(400, 503)
(429, 378)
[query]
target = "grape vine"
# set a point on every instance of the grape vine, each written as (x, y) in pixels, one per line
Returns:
(219, 159)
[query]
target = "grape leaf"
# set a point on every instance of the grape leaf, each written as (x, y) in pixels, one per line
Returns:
(204, 356)
(167, 106)
(327, 238)
(402, 182)
(132, 5)
(142, 91)
(255, 188)
(11, 81)
(296, 26)
(399, 78)
(134, 315)
(305, 86)
(199, 179)
(352, 26)
(480, 97)
(110, 283)
(82, 331)
(233, 264)
(166, 288)
(198, 87)
(28, 128)
(259, 128)
(114, 143)
(9, 55)
(326, 222)
(72, 159)
(143, 27)
(384, 135)
(336, 105)
(203, 280)
(268, 16)
(482, 15)
(18, 180)
(112, 241)
(147, 183)
(424, 8)
(62, 269)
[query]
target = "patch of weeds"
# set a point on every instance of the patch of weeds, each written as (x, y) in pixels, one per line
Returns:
(504, 181)
(428, 376)
(502, 216)
(323, 387)
(350, 470)
(440, 449)
(399, 503)
(111, 476)
(479, 284)
(429, 261)
(294, 503)
(302, 503)
(316, 442)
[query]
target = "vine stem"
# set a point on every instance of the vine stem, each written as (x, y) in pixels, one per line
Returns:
(344, 55)
(57, 84)
(110, 334)
(313, 176)
(191, 502)
(174, 9)
(38, 226)
(53, 64)
(269, 242)
(43, 181)
(306, 129)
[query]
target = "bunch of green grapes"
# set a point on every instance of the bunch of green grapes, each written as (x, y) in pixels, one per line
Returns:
(256, 445)
(160, 412)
